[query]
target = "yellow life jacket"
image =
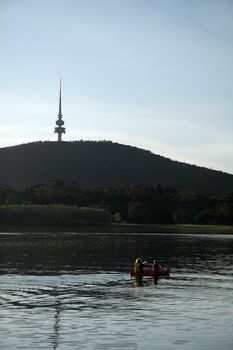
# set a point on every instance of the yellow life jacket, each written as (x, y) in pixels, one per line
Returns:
(138, 265)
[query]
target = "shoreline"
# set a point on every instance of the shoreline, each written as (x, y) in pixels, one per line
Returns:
(120, 228)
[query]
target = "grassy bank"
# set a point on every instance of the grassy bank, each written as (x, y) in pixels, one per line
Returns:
(207, 229)
(119, 228)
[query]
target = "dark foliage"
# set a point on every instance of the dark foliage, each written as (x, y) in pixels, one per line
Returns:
(52, 215)
(134, 203)
(101, 164)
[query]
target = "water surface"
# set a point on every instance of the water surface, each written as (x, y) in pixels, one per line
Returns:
(71, 291)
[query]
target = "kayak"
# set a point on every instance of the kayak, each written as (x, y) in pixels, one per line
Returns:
(162, 271)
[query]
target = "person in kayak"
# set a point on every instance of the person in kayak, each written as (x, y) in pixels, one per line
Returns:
(138, 265)
(155, 265)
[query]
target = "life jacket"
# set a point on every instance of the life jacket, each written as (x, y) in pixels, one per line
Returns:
(138, 265)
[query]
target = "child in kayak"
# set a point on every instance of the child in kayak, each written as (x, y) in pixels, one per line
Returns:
(155, 265)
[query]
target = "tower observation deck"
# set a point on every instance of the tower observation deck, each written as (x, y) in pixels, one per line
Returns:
(59, 129)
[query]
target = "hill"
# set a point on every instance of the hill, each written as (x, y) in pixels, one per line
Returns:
(96, 164)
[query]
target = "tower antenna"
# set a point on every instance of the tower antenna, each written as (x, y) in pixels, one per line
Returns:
(59, 129)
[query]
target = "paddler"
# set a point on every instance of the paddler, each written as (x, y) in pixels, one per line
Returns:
(138, 265)
(156, 265)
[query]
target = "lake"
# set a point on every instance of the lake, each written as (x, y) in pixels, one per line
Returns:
(73, 291)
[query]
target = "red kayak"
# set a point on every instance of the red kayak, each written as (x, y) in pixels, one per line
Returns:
(162, 271)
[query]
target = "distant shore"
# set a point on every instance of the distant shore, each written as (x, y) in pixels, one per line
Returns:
(119, 228)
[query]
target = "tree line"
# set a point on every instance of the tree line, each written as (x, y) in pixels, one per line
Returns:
(133, 204)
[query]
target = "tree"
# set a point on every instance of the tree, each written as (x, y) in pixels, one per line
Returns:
(136, 212)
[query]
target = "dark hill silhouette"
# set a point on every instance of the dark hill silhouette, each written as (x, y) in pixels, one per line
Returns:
(104, 163)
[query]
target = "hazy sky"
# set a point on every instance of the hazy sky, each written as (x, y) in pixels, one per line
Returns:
(156, 74)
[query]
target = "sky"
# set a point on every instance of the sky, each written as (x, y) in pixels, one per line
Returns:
(155, 74)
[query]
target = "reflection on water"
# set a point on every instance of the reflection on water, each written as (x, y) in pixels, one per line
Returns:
(73, 291)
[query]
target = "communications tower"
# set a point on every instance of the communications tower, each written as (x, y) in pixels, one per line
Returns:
(59, 129)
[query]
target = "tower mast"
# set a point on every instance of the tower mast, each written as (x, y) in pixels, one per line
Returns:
(59, 129)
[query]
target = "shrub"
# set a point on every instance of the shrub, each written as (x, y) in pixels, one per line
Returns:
(52, 215)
